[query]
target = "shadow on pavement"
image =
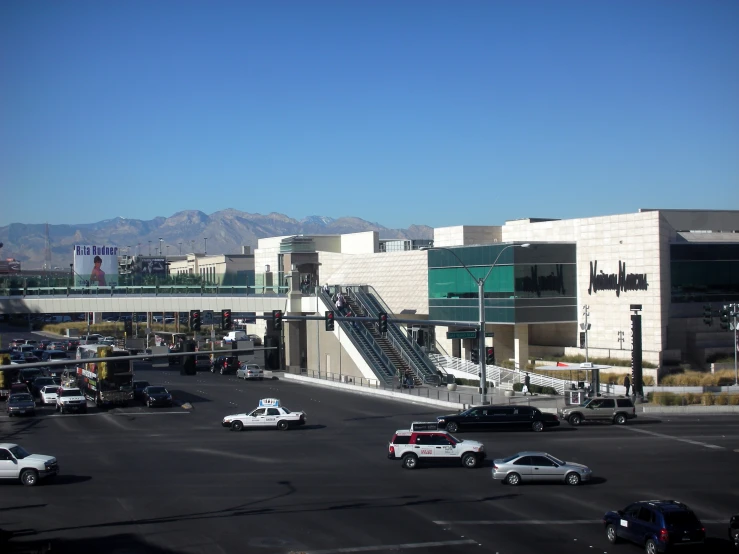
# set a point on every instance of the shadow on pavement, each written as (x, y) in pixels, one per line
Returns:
(113, 544)
(644, 420)
(180, 397)
(65, 480)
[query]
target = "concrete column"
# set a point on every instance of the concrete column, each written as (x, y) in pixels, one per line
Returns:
(503, 342)
(521, 345)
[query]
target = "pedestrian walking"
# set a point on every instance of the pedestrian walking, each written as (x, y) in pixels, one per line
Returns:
(627, 384)
(526, 384)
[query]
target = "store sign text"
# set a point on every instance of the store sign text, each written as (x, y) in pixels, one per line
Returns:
(620, 282)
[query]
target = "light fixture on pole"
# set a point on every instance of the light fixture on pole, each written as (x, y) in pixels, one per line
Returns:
(481, 306)
(205, 250)
(585, 326)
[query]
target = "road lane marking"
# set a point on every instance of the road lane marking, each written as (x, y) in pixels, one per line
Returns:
(387, 547)
(543, 522)
(523, 522)
(232, 455)
(679, 439)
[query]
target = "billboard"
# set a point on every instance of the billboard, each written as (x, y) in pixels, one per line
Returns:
(95, 265)
(153, 266)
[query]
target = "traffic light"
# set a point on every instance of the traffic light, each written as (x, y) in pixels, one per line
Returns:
(582, 340)
(195, 320)
(475, 356)
(490, 355)
(90, 317)
(128, 328)
(382, 321)
(329, 321)
(724, 318)
(226, 321)
(277, 320)
(707, 315)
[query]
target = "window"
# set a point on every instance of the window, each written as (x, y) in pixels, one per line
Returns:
(474, 413)
(682, 519)
(541, 461)
(424, 439)
(500, 412)
(273, 411)
(4, 454)
(624, 403)
(440, 440)
(646, 515)
(524, 461)
(632, 511)
(401, 439)
(259, 412)
(608, 403)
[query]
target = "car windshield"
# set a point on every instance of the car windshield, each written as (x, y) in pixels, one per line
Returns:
(555, 460)
(454, 439)
(19, 452)
(18, 398)
(681, 519)
(50, 389)
(141, 384)
(156, 390)
(588, 401)
(285, 409)
(71, 392)
(509, 459)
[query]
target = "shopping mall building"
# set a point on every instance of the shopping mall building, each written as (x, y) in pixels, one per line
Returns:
(671, 263)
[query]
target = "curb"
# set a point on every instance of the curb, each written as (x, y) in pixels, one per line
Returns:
(704, 410)
(388, 395)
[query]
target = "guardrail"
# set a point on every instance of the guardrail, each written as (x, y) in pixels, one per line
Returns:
(434, 393)
(146, 290)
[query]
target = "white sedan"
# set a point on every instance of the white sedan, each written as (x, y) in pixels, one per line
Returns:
(269, 415)
(49, 394)
(250, 371)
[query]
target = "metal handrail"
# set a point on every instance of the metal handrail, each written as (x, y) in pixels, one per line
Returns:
(171, 289)
(417, 359)
(389, 371)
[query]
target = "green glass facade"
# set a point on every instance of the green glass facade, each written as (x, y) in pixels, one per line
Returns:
(527, 285)
(704, 272)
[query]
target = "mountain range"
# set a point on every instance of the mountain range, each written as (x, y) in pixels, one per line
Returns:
(226, 231)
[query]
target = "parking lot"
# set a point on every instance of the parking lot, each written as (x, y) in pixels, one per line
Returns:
(173, 480)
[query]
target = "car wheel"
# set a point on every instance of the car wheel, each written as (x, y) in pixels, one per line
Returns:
(650, 547)
(469, 461)
(237, 426)
(513, 479)
(537, 426)
(620, 419)
(410, 461)
(29, 477)
(452, 427)
(283, 425)
(572, 479)
(575, 419)
(611, 534)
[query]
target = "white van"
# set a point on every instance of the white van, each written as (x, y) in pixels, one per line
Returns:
(235, 335)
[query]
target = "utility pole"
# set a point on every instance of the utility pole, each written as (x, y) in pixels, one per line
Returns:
(728, 320)
(621, 339)
(585, 326)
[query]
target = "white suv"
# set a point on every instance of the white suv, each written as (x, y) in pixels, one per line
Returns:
(16, 463)
(70, 399)
(425, 443)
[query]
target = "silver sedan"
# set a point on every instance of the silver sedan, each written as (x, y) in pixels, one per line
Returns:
(533, 467)
(250, 371)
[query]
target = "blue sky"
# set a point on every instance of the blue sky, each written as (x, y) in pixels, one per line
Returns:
(398, 112)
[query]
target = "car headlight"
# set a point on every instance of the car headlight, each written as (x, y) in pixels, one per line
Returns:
(226, 420)
(440, 420)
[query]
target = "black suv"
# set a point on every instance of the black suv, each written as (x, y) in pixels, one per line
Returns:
(497, 418)
(225, 364)
(659, 525)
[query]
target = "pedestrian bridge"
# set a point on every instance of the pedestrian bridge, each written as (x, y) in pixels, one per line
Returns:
(142, 299)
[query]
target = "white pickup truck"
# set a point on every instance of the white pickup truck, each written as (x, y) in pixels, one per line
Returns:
(16, 463)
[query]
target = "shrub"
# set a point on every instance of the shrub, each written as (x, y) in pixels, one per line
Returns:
(699, 379)
(734, 399)
(708, 399)
(722, 399)
(536, 389)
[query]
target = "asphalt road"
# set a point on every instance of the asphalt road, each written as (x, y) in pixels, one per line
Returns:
(169, 480)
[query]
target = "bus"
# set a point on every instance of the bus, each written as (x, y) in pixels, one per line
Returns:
(105, 383)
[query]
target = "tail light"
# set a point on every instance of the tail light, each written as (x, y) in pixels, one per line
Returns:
(664, 536)
(392, 449)
(495, 467)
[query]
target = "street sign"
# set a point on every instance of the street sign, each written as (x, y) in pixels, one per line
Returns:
(207, 317)
(461, 334)
(489, 334)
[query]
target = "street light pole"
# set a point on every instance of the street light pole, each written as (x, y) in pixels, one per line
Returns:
(481, 307)
(160, 246)
(206, 245)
